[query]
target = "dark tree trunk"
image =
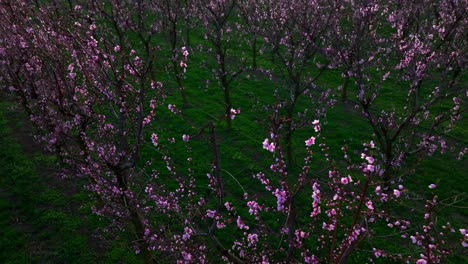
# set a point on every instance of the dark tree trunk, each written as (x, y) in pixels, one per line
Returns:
(254, 52)
(344, 91)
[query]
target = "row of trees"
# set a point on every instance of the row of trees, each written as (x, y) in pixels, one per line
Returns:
(85, 72)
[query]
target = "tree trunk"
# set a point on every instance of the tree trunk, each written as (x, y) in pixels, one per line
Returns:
(227, 107)
(288, 139)
(291, 237)
(181, 88)
(387, 176)
(137, 222)
(344, 91)
(175, 65)
(135, 218)
(254, 52)
(187, 36)
(222, 75)
(289, 132)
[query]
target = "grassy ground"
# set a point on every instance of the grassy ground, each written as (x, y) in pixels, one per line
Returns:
(43, 218)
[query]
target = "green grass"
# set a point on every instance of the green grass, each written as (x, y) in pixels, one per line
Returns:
(37, 219)
(35, 224)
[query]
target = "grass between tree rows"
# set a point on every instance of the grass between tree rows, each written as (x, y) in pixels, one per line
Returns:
(43, 218)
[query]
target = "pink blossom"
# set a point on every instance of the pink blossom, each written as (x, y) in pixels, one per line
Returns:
(185, 138)
(377, 253)
(316, 124)
(432, 186)
(397, 193)
(268, 146)
(253, 207)
(234, 112)
(154, 139)
(185, 51)
(187, 233)
(220, 225)
(310, 141)
(344, 180)
(146, 120)
(155, 85)
(421, 261)
(329, 227)
(210, 213)
(316, 202)
(172, 108)
(309, 259)
(370, 159)
(331, 212)
(186, 256)
(253, 239)
(183, 63)
(465, 234)
(280, 199)
(241, 224)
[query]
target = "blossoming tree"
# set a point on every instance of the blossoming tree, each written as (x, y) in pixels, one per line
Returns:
(93, 97)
